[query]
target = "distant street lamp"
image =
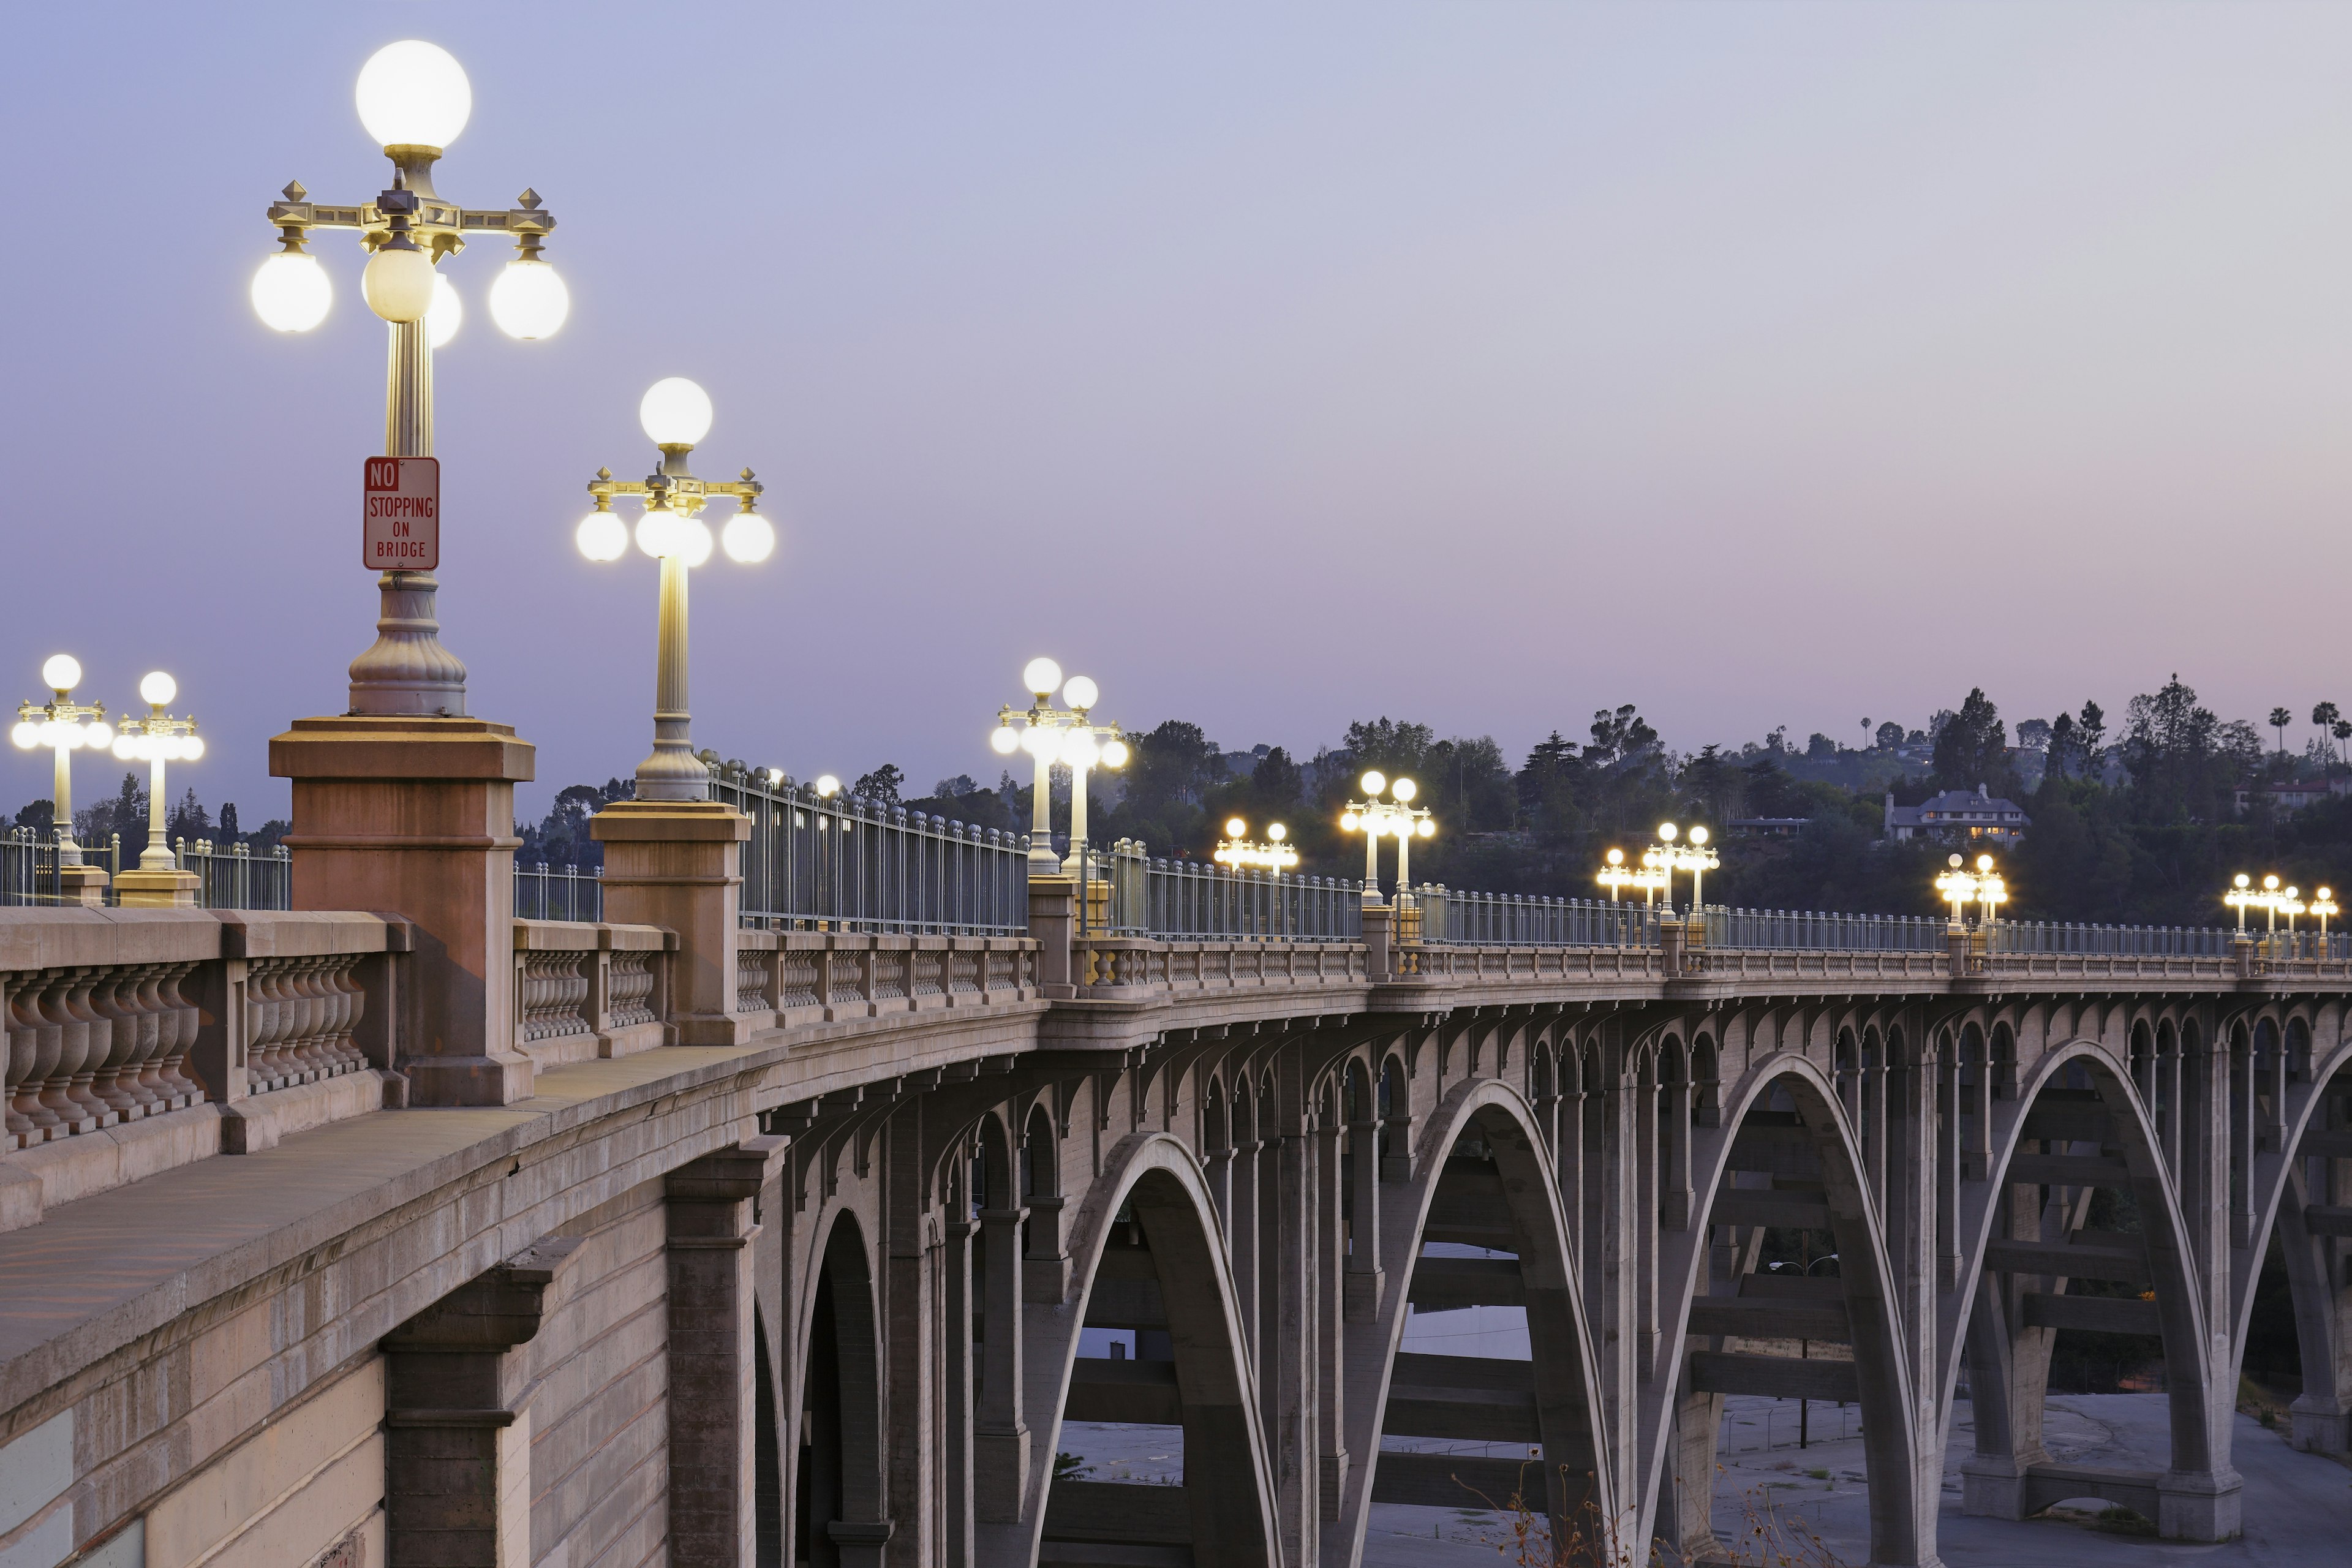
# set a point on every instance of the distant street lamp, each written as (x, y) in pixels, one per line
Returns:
(1238, 850)
(157, 738)
(2241, 897)
(676, 414)
(1396, 816)
(2271, 899)
(2323, 904)
(2289, 903)
(65, 727)
(414, 98)
(1613, 875)
(1960, 886)
(1692, 854)
(1050, 735)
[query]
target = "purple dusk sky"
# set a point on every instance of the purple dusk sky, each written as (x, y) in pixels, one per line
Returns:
(1484, 366)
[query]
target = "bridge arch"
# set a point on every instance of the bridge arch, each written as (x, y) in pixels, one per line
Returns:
(1481, 1166)
(837, 1465)
(2024, 1241)
(1149, 1253)
(1792, 1156)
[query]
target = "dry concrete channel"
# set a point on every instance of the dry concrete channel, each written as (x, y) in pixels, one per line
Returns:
(2298, 1506)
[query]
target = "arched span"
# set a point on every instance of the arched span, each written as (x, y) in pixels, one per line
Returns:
(2196, 1438)
(837, 1487)
(1566, 1389)
(1229, 1483)
(2273, 1173)
(1902, 1503)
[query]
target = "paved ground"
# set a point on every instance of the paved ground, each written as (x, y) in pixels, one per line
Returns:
(2298, 1506)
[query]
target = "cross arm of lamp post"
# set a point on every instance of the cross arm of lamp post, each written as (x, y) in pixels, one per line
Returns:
(437, 226)
(667, 490)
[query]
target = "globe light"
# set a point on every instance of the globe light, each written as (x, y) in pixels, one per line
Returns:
(827, 786)
(414, 94)
(1616, 856)
(26, 735)
(1080, 692)
(1374, 783)
(1427, 829)
(695, 547)
(1235, 828)
(398, 283)
(1276, 832)
(602, 536)
(2270, 884)
(1003, 740)
(748, 537)
(291, 292)
(1114, 754)
(1954, 862)
(1698, 835)
(128, 748)
(1666, 831)
(1404, 789)
(1984, 862)
(1041, 676)
(530, 300)
(657, 532)
(445, 315)
(192, 747)
(1079, 751)
(1348, 822)
(675, 412)
(2244, 881)
(158, 687)
(97, 735)
(62, 672)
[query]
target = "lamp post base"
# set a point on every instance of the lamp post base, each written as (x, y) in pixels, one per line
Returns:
(415, 817)
(146, 889)
(81, 885)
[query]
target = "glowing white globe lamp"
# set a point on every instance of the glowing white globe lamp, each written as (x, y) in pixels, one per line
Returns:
(675, 412)
(291, 292)
(530, 300)
(414, 94)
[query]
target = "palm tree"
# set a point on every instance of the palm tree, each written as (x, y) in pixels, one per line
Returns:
(2280, 719)
(2326, 716)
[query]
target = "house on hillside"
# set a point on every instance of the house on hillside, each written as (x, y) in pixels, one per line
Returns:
(2286, 799)
(1957, 814)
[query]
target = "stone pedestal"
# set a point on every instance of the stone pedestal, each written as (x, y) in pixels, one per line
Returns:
(1376, 941)
(416, 817)
(1054, 924)
(678, 864)
(81, 885)
(156, 889)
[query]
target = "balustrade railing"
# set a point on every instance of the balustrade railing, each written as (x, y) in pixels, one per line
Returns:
(1515, 920)
(549, 892)
(29, 865)
(232, 877)
(1787, 931)
(1125, 892)
(836, 864)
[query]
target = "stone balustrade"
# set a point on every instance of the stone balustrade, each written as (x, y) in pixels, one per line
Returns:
(587, 990)
(137, 1040)
(791, 978)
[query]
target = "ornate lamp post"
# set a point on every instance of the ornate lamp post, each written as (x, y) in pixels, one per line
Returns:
(1692, 853)
(1396, 816)
(1237, 849)
(676, 414)
(2241, 897)
(155, 740)
(1051, 735)
(2323, 904)
(65, 727)
(1992, 889)
(414, 98)
(1959, 889)
(1613, 875)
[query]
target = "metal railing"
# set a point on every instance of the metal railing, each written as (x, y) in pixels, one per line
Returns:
(1787, 931)
(1517, 919)
(1122, 891)
(29, 865)
(836, 864)
(232, 877)
(552, 892)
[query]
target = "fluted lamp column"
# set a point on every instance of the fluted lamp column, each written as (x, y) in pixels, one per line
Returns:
(673, 856)
(155, 740)
(65, 727)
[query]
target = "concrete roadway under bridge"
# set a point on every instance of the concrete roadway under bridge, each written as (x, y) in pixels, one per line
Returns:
(328, 1237)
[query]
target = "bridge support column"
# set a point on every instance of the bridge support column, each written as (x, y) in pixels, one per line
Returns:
(1290, 1359)
(678, 864)
(2320, 1268)
(458, 1486)
(999, 1436)
(415, 817)
(713, 1214)
(1330, 1283)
